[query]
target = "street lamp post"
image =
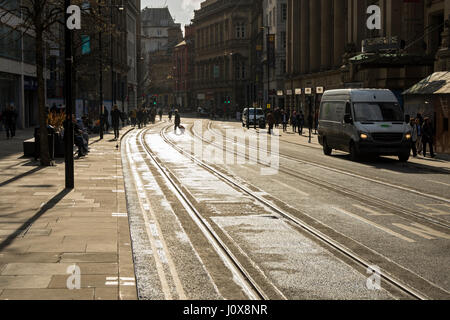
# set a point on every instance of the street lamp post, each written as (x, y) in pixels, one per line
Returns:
(68, 134)
(100, 44)
(101, 79)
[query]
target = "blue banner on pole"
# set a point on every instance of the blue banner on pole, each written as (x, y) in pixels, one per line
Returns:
(86, 44)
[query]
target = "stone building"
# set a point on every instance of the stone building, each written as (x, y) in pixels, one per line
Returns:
(275, 20)
(223, 53)
(330, 46)
(184, 70)
(159, 35)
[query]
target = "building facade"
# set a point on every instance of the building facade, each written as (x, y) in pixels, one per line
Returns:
(275, 21)
(18, 83)
(183, 66)
(330, 46)
(223, 55)
(159, 36)
(133, 52)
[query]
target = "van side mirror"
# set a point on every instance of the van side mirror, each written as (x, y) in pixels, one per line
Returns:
(348, 119)
(407, 118)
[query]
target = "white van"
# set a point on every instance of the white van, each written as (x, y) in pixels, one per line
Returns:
(249, 115)
(364, 121)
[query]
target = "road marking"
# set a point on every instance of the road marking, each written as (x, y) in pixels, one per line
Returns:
(436, 212)
(371, 212)
(391, 232)
(438, 182)
(422, 231)
(390, 171)
(120, 215)
(292, 188)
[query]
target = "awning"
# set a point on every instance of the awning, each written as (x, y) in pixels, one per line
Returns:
(437, 83)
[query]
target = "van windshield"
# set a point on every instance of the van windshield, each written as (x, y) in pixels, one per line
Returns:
(259, 112)
(378, 112)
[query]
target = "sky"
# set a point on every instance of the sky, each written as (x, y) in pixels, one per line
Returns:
(182, 10)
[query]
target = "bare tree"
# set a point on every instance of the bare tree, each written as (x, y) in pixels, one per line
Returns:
(44, 20)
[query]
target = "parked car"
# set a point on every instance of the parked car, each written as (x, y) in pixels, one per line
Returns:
(364, 122)
(250, 115)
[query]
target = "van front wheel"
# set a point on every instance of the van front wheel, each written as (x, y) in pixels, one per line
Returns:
(403, 157)
(354, 154)
(326, 149)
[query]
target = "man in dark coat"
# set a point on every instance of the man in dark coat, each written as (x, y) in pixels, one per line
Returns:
(427, 137)
(140, 117)
(177, 120)
(10, 118)
(270, 121)
(115, 117)
(300, 122)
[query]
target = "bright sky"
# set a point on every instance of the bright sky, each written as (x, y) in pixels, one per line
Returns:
(182, 10)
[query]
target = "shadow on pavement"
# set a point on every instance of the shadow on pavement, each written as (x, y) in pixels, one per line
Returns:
(394, 165)
(49, 205)
(20, 176)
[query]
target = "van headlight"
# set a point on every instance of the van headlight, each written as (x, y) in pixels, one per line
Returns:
(408, 136)
(364, 136)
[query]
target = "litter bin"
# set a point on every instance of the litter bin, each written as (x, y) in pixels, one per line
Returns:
(51, 142)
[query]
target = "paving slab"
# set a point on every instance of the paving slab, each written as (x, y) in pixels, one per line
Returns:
(47, 294)
(23, 282)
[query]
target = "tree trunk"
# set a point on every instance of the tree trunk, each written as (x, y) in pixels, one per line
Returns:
(44, 148)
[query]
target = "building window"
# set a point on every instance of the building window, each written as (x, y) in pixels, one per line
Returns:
(283, 39)
(283, 12)
(240, 31)
(10, 43)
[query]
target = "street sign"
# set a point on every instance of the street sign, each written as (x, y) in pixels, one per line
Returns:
(268, 106)
(289, 92)
(279, 93)
(319, 90)
(308, 90)
(298, 91)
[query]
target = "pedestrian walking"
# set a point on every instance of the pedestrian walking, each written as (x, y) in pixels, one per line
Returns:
(160, 112)
(427, 137)
(115, 118)
(177, 121)
(413, 137)
(419, 145)
(140, 117)
(106, 119)
(285, 120)
(270, 121)
(294, 121)
(277, 116)
(170, 115)
(10, 119)
(300, 122)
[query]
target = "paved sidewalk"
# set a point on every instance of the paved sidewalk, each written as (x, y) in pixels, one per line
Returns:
(45, 229)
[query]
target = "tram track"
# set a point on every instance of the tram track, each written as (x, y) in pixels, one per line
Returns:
(433, 291)
(375, 202)
(348, 173)
(249, 285)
